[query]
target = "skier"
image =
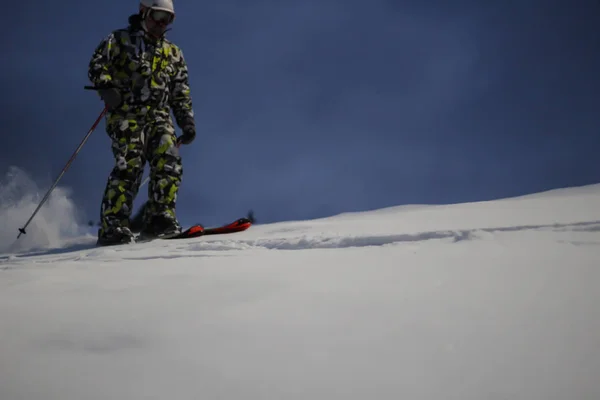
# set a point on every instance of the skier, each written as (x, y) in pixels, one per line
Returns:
(141, 76)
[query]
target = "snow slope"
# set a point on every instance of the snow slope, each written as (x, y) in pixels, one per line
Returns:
(490, 300)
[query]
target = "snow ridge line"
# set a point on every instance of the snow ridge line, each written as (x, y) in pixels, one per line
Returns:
(307, 242)
(193, 247)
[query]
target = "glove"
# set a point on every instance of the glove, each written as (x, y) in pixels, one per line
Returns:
(112, 98)
(189, 134)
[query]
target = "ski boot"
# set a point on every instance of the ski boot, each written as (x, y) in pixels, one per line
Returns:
(116, 236)
(160, 226)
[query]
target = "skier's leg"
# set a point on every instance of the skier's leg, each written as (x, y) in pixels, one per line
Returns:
(124, 179)
(165, 177)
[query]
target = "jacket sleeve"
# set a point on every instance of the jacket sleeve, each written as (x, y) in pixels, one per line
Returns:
(99, 69)
(180, 96)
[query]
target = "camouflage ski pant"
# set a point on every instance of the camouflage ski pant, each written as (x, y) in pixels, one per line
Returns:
(136, 141)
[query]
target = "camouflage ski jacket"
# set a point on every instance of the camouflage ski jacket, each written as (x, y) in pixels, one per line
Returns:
(152, 75)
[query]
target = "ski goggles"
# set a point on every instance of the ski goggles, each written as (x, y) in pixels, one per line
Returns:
(161, 17)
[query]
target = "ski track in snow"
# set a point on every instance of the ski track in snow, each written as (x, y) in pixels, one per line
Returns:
(210, 247)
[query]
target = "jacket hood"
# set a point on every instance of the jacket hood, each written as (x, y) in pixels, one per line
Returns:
(135, 22)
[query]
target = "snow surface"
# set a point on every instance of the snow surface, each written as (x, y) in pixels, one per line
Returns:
(489, 300)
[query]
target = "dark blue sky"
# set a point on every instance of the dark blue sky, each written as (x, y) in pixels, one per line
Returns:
(315, 107)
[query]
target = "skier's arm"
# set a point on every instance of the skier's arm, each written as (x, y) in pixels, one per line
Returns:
(99, 66)
(181, 99)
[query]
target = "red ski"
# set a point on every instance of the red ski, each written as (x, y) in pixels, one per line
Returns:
(198, 230)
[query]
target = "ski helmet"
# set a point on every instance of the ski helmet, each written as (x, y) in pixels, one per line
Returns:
(159, 5)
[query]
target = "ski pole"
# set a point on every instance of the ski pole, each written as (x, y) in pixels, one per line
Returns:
(66, 167)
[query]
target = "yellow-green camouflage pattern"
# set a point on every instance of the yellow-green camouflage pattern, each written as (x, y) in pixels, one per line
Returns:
(152, 75)
(153, 79)
(133, 148)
